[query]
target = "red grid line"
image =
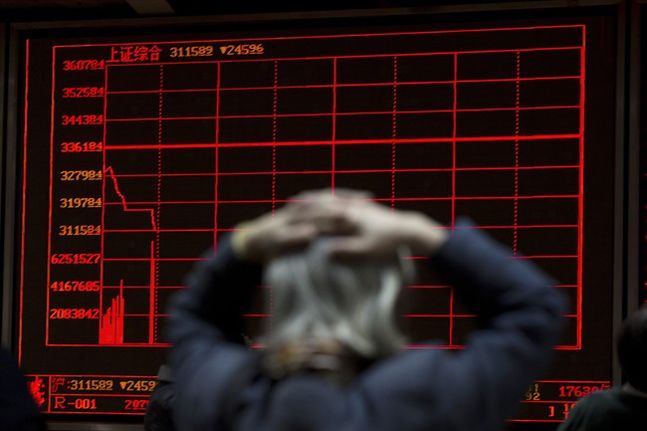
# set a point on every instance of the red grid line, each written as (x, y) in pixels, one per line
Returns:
(394, 129)
(333, 126)
(515, 216)
(216, 170)
(535, 256)
(413, 286)
(100, 395)
(407, 315)
(199, 259)
(451, 316)
(147, 287)
(453, 183)
(351, 171)
(341, 114)
(175, 230)
(426, 140)
(274, 131)
(342, 85)
(129, 344)
(152, 326)
(397, 199)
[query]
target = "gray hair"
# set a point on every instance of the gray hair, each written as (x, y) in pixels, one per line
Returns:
(315, 297)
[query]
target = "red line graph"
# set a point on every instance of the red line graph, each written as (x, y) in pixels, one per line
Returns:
(111, 327)
(124, 203)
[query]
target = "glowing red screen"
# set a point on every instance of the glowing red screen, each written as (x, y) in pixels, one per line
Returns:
(140, 153)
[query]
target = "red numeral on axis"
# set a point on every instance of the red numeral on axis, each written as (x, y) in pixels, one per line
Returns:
(82, 92)
(74, 313)
(81, 147)
(81, 120)
(75, 286)
(81, 65)
(75, 258)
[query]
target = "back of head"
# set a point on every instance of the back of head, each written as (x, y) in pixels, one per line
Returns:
(320, 304)
(632, 349)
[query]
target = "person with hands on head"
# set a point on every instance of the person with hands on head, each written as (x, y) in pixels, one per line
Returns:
(332, 357)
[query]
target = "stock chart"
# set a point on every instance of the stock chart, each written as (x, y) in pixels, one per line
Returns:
(140, 153)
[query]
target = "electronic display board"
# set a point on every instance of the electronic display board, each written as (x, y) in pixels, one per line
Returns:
(140, 152)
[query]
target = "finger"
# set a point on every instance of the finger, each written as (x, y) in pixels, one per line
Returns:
(352, 248)
(328, 220)
(309, 195)
(336, 226)
(331, 194)
(352, 194)
(319, 211)
(295, 237)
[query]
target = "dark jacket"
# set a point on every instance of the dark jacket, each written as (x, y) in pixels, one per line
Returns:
(221, 386)
(159, 411)
(609, 410)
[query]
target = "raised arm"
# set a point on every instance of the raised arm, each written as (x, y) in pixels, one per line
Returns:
(209, 360)
(205, 327)
(475, 388)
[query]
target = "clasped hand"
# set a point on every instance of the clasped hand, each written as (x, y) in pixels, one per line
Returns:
(361, 227)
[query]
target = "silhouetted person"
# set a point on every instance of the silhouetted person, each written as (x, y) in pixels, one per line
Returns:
(18, 411)
(332, 357)
(623, 408)
(159, 411)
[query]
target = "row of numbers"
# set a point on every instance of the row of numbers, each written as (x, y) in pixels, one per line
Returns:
(62, 403)
(82, 92)
(79, 230)
(75, 286)
(73, 313)
(83, 202)
(75, 258)
(81, 175)
(81, 147)
(82, 120)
